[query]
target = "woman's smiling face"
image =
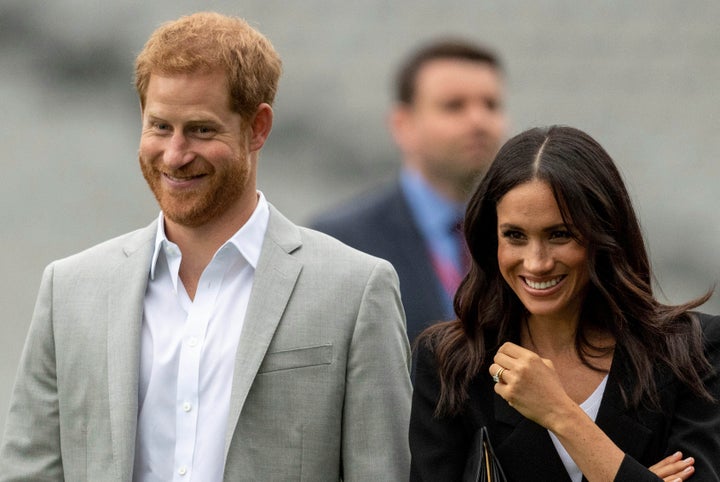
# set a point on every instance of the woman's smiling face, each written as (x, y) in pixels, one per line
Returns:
(538, 255)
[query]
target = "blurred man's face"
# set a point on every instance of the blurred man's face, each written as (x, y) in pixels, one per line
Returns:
(456, 122)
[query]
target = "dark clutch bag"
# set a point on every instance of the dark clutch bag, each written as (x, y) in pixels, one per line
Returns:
(482, 465)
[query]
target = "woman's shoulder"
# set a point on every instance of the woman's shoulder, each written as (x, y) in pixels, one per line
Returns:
(710, 326)
(437, 335)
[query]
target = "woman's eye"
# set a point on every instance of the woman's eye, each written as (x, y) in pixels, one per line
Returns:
(512, 235)
(561, 234)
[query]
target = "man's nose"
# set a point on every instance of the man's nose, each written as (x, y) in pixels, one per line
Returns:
(177, 151)
(479, 115)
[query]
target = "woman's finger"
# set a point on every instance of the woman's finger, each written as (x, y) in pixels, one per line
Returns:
(514, 351)
(498, 373)
(674, 467)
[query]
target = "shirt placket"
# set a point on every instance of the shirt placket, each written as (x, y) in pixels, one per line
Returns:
(189, 374)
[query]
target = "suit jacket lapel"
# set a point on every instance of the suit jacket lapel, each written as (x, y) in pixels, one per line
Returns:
(400, 221)
(614, 418)
(275, 277)
(127, 284)
(420, 285)
(527, 449)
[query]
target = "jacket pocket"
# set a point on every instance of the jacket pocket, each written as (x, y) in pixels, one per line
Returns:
(297, 358)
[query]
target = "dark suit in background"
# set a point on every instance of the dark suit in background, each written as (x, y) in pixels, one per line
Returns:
(448, 121)
(380, 223)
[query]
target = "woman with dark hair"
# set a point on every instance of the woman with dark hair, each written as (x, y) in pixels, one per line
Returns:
(560, 348)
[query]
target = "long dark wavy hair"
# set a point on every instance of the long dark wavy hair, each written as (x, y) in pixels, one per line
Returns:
(591, 194)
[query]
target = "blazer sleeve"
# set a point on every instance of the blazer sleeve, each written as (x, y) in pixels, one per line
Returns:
(376, 411)
(438, 446)
(31, 445)
(633, 471)
(695, 428)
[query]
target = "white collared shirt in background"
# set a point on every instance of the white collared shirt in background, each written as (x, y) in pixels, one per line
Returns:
(188, 352)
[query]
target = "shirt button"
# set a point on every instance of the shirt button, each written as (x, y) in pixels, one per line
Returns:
(193, 341)
(182, 470)
(187, 406)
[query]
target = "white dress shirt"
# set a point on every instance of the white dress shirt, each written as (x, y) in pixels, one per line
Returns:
(188, 352)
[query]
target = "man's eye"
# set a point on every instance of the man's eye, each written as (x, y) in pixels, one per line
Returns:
(203, 130)
(492, 105)
(453, 105)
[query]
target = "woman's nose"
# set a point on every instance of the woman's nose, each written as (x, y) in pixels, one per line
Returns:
(538, 258)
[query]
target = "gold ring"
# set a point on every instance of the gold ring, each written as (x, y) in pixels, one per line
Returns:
(497, 378)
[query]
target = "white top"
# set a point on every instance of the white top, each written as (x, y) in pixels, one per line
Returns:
(187, 359)
(590, 407)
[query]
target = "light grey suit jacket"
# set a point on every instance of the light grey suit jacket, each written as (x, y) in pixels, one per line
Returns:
(320, 391)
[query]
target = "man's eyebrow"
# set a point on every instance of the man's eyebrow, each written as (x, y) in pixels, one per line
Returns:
(152, 116)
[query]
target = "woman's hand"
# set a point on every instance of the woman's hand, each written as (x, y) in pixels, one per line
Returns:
(674, 468)
(531, 385)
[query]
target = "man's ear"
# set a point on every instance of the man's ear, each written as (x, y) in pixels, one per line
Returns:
(400, 124)
(260, 126)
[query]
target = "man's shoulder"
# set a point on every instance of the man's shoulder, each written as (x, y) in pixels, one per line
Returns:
(332, 251)
(112, 249)
(315, 248)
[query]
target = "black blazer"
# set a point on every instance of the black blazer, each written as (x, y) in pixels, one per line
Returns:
(439, 447)
(380, 223)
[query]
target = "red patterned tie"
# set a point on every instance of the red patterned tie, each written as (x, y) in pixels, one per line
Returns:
(449, 273)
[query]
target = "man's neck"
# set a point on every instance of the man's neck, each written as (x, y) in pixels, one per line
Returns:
(198, 244)
(458, 193)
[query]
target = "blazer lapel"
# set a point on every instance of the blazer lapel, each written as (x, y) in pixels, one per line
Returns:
(615, 419)
(275, 277)
(528, 449)
(525, 448)
(127, 284)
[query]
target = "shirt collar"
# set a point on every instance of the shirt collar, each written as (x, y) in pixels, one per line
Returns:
(432, 212)
(247, 241)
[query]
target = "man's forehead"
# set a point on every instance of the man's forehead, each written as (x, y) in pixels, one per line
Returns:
(217, 74)
(455, 66)
(445, 75)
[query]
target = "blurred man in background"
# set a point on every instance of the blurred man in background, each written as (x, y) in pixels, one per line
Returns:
(448, 121)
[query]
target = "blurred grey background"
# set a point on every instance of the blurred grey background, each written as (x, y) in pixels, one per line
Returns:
(640, 76)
